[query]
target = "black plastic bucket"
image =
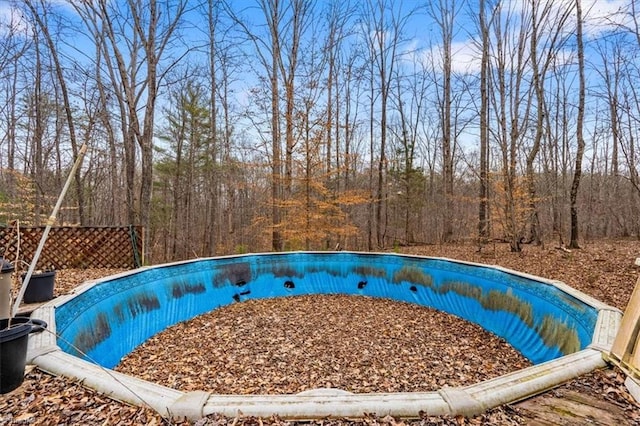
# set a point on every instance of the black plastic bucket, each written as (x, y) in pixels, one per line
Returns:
(40, 287)
(13, 350)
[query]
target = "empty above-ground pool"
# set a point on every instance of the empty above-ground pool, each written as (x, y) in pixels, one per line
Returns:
(559, 329)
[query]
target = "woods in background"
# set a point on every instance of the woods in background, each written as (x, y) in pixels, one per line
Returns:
(225, 127)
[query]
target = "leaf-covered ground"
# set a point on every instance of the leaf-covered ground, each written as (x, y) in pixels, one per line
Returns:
(284, 346)
(604, 270)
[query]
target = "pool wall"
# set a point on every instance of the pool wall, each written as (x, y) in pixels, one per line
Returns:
(124, 310)
(112, 317)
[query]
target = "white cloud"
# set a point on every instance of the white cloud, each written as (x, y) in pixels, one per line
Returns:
(465, 58)
(599, 15)
(604, 15)
(12, 21)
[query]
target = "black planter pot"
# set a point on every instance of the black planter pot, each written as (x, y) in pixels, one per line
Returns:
(40, 287)
(13, 350)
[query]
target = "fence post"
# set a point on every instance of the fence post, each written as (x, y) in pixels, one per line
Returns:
(133, 234)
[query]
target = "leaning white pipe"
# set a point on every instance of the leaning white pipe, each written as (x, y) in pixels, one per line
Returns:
(50, 221)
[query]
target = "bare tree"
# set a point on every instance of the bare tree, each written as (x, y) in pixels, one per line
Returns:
(338, 15)
(384, 22)
(39, 13)
(135, 72)
(411, 92)
(548, 26)
(630, 107)
(573, 243)
(483, 204)
(611, 72)
(288, 62)
(444, 14)
(511, 101)
(212, 12)
(106, 119)
(13, 46)
(285, 23)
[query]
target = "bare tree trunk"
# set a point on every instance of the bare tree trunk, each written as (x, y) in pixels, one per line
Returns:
(385, 24)
(40, 18)
(381, 195)
(447, 157)
(103, 116)
(11, 125)
(483, 205)
(272, 62)
(538, 85)
(444, 12)
(288, 63)
(370, 205)
(226, 152)
(549, 21)
(210, 234)
(579, 132)
(513, 98)
(611, 74)
(12, 48)
(276, 184)
(38, 131)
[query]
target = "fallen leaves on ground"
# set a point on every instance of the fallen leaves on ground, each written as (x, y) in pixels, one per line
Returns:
(289, 345)
(49, 400)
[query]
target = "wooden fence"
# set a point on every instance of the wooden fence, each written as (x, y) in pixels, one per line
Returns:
(75, 247)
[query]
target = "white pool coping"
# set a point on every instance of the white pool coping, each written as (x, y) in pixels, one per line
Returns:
(44, 352)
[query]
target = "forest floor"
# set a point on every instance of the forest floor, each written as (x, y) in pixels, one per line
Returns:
(603, 269)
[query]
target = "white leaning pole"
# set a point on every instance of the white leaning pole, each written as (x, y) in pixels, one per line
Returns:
(50, 221)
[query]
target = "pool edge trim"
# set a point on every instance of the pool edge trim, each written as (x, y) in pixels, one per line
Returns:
(470, 400)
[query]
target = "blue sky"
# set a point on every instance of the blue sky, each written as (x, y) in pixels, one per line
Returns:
(600, 16)
(422, 33)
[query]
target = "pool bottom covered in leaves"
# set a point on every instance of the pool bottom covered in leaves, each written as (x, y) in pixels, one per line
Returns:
(289, 345)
